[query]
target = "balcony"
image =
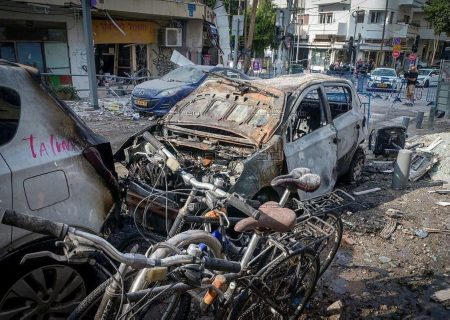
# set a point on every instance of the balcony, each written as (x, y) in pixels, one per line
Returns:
(401, 30)
(337, 28)
(411, 3)
(324, 2)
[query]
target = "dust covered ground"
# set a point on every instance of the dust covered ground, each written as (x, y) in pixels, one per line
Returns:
(372, 277)
(377, 278)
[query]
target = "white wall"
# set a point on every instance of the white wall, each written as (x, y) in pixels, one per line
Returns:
(77, 52)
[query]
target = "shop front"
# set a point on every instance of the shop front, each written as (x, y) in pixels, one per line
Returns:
(123, 52)
(39, 44)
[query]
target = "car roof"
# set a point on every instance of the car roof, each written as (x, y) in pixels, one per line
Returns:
(379, 68)
(291, 83)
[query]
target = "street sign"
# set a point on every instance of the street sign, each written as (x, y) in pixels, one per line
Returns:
(396, 54)
(397, 41)
(412, 57)
(397, 47)
(238, 23)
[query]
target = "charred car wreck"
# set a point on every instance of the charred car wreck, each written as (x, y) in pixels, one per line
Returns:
(240, 135)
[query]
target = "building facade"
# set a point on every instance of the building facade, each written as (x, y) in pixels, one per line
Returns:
(322, 29)
(128, 36)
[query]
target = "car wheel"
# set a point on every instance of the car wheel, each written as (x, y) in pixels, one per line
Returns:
(43, 288)
(426, 84)
(355, 170)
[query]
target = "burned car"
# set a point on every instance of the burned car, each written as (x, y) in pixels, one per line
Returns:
(53, 166)
(240, 135)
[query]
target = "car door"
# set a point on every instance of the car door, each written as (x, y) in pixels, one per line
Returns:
(5, 196)
(310, 139)
(346, 120)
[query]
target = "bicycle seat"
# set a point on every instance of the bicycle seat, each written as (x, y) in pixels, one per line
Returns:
(298, 179)
(273, 217)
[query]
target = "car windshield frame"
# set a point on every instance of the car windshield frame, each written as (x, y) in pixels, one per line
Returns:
(382, 72)
(185, 74)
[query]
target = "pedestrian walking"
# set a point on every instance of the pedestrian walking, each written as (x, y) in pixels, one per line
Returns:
(411, 79)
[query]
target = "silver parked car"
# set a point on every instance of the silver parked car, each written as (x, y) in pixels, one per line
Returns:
(52, 166)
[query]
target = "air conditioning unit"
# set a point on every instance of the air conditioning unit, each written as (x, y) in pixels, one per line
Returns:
(171, 37)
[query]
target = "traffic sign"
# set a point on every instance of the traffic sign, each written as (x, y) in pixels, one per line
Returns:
(397, 47)
(396, 54)
(412, 57)
(397, 41)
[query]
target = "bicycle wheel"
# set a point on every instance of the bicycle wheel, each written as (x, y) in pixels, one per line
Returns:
(281, 291)
(328, 248)
(173, 305)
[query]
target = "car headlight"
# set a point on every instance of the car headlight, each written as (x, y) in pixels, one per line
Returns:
(167, 93)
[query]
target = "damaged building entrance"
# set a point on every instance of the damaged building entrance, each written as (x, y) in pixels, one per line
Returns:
(122, 50)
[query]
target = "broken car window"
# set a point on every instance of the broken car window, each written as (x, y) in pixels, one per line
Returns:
(9, 114)
(339, 99)
(309, 117)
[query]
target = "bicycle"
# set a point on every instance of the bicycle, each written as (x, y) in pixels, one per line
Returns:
(278, 249)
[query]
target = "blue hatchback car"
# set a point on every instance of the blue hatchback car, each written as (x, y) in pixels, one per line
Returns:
(158, 96)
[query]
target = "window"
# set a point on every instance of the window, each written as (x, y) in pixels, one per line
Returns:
(7, 51)
(310, 116)
(360, 16)
(391, 17)
(326, 18)
(339, 99)
(376, 16)
(406, 18)
(9, 114)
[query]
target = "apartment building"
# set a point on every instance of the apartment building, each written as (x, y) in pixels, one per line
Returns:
(323, 27)
(128, 35)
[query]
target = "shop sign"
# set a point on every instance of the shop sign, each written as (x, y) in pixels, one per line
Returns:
(141, 32)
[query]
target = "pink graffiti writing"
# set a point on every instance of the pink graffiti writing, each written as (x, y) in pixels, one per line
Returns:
(49, 146)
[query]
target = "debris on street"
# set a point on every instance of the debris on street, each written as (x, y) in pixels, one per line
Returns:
(443, 203)
(441, 295)
(359, 193)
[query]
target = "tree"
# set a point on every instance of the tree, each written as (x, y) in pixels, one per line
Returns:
(265, 27)
(251, 32)
(437, 12)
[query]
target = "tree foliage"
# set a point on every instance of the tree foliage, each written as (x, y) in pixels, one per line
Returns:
(265, 27)
(438, 13)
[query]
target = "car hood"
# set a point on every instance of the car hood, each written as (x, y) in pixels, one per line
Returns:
(228, 111)
(154, 87)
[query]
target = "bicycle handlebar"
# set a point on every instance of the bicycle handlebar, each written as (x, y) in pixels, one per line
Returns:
(34, 224)
(135, 260)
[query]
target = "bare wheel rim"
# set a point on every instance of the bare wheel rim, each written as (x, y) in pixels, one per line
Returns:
(49, 292)
(358, 168)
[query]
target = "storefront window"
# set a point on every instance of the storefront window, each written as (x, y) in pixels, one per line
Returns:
(30, 53)
(318, 58)
(7, 51)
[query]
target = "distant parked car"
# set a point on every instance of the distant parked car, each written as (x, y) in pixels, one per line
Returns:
(158, 96)
(428, 77)
(383, 79)
(52, 166)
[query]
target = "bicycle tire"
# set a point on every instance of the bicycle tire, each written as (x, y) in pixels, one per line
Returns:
(248, 305)
(91, 298)
(325, 260)
(181, 240)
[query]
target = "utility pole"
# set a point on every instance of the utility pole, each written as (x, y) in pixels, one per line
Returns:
(384, 29)
(87, 28)
(236, 38)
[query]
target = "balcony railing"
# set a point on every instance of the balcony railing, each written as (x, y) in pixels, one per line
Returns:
(337, 28)
(412, 3)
